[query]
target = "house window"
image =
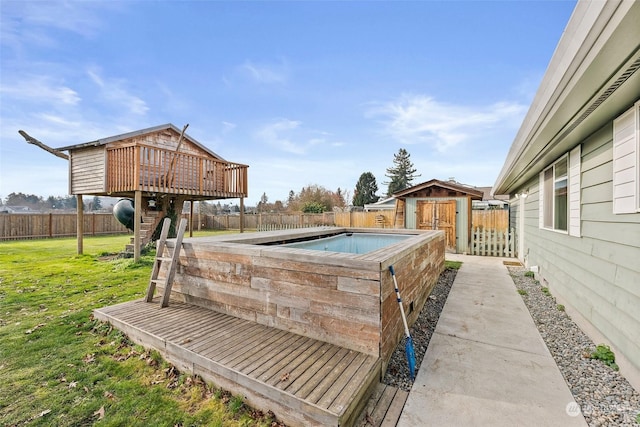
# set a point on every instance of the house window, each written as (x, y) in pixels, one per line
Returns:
(626, 161)
(555, 199)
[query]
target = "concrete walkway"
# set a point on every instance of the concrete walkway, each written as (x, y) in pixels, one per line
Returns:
(487, 363)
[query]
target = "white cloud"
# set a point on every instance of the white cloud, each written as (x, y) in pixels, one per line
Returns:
(39, 89)
(114, 91)
(58, 120)
(291, 137)
(34, 23)
(414, 119)
(266, 73)
(275, 134)
(228, 127)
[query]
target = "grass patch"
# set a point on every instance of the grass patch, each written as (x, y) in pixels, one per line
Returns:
(522, 292)
(545, 291)
(604, 353)
(61, 367)
(560, 307)
(529, 274)
(455, 265)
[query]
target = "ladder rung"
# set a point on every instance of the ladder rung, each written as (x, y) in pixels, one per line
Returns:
(164, 258)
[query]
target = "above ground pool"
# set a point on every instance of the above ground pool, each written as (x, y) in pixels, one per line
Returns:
(327, 283)
(351, 243)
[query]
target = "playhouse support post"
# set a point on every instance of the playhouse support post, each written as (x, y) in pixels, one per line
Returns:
(242, 214)
(191, 218)
(80, 223)
(137, 203)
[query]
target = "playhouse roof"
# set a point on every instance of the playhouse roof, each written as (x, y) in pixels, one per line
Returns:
(110, 139)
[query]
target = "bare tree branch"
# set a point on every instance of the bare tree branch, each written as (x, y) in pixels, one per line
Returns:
(32, 140)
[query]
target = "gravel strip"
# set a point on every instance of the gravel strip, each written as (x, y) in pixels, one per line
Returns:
(604, 395)
(397, 373)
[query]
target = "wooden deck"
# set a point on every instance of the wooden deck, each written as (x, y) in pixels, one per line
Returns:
(383, 408)
(302, 380)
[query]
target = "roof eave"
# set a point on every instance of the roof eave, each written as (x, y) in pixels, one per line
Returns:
(600, 44)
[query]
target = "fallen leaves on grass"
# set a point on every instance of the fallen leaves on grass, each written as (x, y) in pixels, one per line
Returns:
(30, 331)
(99, 413)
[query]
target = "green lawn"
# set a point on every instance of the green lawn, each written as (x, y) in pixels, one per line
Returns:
(60, 367)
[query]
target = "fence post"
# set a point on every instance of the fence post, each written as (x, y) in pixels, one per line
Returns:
(512, 240)
(494, 242)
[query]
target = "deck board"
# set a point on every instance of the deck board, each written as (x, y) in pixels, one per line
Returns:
(384, 407)
(302, 380)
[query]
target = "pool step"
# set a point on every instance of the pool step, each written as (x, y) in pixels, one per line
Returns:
(303, 381)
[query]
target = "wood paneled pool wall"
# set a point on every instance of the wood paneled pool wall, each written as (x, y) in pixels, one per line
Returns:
(343, 299)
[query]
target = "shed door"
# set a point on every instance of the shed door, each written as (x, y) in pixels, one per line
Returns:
(438, 215)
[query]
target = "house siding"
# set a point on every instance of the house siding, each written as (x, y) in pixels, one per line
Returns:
(87, 170)
(462, 218)
(597, 274)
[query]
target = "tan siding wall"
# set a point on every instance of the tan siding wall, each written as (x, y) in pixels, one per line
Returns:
(598, 274)
(88, 171)
(166, 139)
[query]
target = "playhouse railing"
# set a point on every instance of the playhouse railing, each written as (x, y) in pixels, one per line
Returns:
(153, 169)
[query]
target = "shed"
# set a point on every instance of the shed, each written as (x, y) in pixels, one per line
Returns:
(438, 205)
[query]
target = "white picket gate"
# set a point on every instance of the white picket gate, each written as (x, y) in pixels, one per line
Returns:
(486, 242)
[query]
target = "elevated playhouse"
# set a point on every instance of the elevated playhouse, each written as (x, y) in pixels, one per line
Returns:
(159, 168)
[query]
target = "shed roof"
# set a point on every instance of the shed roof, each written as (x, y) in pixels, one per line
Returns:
(127, 135)
(476, 194)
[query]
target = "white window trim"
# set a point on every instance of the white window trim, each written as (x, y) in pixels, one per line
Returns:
(574, 200)
(626, 161)
(574, 162)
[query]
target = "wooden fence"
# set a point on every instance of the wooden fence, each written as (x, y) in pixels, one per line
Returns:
(487, 242)
(45, 225)
(295, 220)
(492, 219)
(486, 239)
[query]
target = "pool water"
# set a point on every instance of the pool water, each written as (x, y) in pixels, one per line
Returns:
(352, 243)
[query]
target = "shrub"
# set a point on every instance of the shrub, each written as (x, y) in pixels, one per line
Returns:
(604, 353)
(455, 265)
(529, 274)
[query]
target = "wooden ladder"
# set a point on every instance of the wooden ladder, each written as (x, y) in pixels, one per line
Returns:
(167, 281)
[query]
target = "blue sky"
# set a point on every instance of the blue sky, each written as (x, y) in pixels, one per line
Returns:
(306, 92)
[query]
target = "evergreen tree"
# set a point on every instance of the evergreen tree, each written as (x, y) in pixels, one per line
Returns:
(96, 203)
(365, 191)
(262, 204)
(402, 173)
